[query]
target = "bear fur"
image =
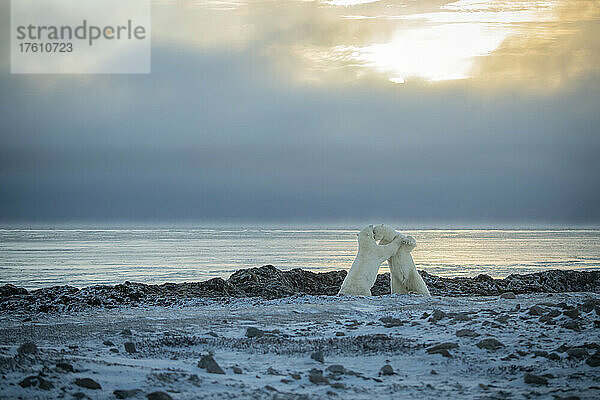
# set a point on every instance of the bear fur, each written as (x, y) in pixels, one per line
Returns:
(404, 277)
(363, 273)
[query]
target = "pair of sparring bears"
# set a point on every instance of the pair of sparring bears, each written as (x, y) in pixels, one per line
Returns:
(394, 247)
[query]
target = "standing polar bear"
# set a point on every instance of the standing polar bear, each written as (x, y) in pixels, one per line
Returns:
(404, 277)
(363, 273)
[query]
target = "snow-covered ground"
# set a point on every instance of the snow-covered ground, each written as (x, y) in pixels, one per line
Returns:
(356, 337)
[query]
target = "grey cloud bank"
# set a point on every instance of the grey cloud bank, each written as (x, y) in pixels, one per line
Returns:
(220, 135)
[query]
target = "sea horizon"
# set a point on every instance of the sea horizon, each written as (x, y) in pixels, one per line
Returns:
(87, 254)
(305, 224)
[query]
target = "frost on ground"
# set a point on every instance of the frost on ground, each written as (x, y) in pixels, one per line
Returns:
(309, 347)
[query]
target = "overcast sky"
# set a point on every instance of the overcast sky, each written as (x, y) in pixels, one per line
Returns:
(464, 112)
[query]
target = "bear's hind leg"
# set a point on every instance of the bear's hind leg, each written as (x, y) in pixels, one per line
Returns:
(417, 284)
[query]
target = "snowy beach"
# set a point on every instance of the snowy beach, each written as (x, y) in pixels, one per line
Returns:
(302, 346)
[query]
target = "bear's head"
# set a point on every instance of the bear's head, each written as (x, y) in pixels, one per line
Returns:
(378, 232)
(409, 243)
(366, 233)
(382, 231)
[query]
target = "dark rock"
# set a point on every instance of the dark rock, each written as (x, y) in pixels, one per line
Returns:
(553, 313)
(108, 343)
(269, 282)
(436, 316)
(88, 383)
(572, 325)
(10, 290)
(125, 394)
(114, 350)
(126, 332)
(36, 381)
(273, 371)
(546, 319)
(537, 310)
(208, 363)
(553, 356)
(254, 332)
(386, 370)
(589, 305)
(577, 352)
(316, 376)
(340, 333)
(158, 396)
(591, 346)
(237, 370)
(65, 366)
(338, 385)
(572, 313)
(466, 333)
(381, 286)
(130, 347)
(540, 353)
(390, 322)
(490, 344)
(336, 369)
(296, 376)
(318, 356)
(535, 379)
(563, 348)
(484, 278)
(442, 346)
(508, 295)
(442, 352)
(593, 360)
(462, 317)
(27, 348)
(509, 357)
(442, 349)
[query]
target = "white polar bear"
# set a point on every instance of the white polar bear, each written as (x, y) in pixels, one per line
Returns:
(404, 277)
(363, 273)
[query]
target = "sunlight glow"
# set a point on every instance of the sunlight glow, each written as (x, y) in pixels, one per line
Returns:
(442, 52)
(445, 44)
(334, 41)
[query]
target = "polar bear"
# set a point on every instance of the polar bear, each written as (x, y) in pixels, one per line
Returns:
(363, 273)
(404, 277)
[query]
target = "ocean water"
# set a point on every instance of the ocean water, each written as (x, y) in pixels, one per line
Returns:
(35, 258)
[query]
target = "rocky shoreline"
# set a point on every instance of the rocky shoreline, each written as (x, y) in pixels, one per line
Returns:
(268, 282)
